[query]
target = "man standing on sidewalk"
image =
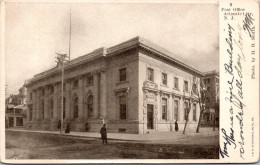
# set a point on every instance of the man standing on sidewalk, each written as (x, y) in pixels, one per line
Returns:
(103, 132)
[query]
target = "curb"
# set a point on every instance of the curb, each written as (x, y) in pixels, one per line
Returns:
(71, 135)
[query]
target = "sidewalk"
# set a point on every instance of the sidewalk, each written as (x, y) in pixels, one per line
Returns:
(155, 136)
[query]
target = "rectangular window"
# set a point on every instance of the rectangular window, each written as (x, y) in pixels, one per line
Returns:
(30, 96)
(51, 89)
(164, 78)
(208, 89)
(30, 114)
(90, 80)
(122, 74)
(194, 88)
(176, 83)
(150, 74)
(186, 88)
(208, 80)
(176, 109)
(75, 84)
(194, 112)
(164, 109)
(186, 110)
(122, 103)
(43, 92)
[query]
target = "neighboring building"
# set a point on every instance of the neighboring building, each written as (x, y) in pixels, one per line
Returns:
(16, 109)
(134, 87)
(211, 82)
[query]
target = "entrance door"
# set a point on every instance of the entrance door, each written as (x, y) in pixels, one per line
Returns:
(11, 121)
(149, 116)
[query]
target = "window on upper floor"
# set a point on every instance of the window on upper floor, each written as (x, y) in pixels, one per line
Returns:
(186, 86)
(43, 92)
(75, 83)
(90, 79)
(208, 80)
(164, 78)
(51, 89)
(30, 96)
(194, 88)
(150, 74)
(176, 83)
(208, 89)
(122, 74)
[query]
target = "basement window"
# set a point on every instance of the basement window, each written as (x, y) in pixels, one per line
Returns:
(121, 130)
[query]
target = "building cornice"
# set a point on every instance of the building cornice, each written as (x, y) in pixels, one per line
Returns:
(131, 44)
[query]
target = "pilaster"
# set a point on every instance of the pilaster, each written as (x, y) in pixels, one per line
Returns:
(46, 101)
(96, 93)
(68, 87)
(103, 89)
(55, 102)
(34, 105)
(80, 97)
(38, 104)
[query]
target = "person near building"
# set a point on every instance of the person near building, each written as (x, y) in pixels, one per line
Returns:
(103, 132)
(176, 126)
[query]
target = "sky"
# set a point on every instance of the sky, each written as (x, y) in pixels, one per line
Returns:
(34, 32)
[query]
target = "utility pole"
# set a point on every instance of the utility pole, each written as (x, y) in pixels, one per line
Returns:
(61, 58)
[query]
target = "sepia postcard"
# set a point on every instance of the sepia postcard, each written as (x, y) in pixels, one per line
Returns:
(129, 81)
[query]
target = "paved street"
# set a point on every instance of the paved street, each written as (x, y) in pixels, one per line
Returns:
(42, 145)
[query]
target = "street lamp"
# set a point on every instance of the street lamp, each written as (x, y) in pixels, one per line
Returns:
(61, 58)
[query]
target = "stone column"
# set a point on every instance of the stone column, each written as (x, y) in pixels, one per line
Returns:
(68, 87)
(103, 88)
(38, 104)
(80, 97)
(55, 103)
(96, 94)
(170, 109)
(181, 109)
(34, 105)
(46, 101)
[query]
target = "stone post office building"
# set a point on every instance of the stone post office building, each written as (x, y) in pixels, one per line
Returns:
(134, 87)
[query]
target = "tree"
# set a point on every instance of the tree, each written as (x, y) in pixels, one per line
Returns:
(194, 94)
(202, 102)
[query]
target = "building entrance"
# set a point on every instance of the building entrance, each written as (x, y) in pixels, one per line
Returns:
(11, 121)
(150, 116)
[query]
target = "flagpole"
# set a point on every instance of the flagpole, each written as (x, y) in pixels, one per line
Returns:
(70, 35)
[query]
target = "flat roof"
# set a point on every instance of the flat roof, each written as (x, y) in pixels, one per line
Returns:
(106, 52)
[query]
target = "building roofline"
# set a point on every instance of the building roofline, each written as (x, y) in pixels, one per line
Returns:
(211, 73)
(107, 52)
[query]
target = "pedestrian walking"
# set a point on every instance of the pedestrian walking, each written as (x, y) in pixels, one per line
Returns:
(176, 126)
(103, 132)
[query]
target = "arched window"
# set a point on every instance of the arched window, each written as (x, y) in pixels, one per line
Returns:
(75, 107)
(90, 106)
